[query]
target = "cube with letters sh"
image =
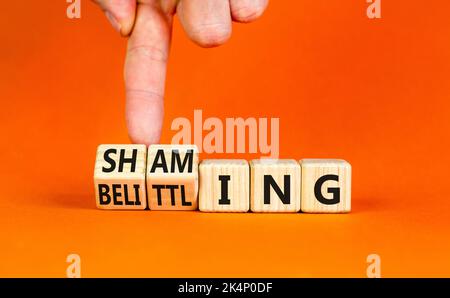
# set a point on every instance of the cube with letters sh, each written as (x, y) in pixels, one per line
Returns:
(119, 177)
(172, 177)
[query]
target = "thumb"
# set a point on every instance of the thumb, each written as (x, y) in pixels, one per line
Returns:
(120, 13)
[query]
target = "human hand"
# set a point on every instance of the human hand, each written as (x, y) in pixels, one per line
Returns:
(148, 23)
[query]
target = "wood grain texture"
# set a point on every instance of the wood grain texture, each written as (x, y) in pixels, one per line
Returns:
(280, 170)
(320, 200)
(224, 175)
(172, 177)
(120, 182)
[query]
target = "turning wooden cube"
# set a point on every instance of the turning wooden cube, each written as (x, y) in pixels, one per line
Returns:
(275, 185)
(326, 186)
(224, 185)
(119, 177)
(172, 177)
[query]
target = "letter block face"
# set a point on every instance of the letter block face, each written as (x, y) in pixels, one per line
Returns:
(326, 186)
(119, 177)
(172, 177)
(224, 185)
(275, 185)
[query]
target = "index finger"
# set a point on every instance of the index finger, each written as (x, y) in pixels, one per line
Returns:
(145, 72)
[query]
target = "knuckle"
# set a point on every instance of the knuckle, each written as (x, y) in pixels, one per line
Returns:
(144, 95)
(148, 52)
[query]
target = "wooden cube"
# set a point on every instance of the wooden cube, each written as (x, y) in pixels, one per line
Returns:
(172, 177)
(224, 185)
(119, 177)
(326, 186)
(275, 185)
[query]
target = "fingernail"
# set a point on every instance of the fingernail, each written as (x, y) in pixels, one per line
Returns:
(113, 21)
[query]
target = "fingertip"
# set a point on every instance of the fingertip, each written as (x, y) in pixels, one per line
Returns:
(137, 138)
(144, 119)
(120, 13)
(209, 36)
(126, 28)
(123, 26)
(245, 11)
(207, 23)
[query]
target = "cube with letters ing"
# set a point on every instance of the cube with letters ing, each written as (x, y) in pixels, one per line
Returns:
(275, 185)
(119, 177)
(224, 185)
(172, 177)
(326, 186)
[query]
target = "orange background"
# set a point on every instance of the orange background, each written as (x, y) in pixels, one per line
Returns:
(374, 92)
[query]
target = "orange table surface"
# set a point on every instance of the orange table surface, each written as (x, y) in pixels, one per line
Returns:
(373, 92)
